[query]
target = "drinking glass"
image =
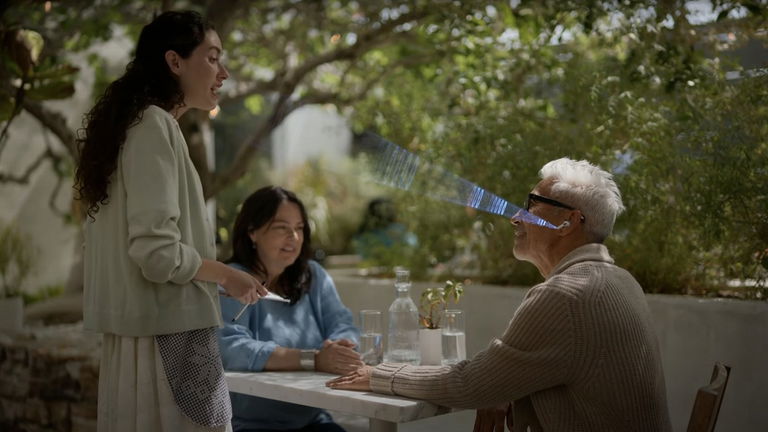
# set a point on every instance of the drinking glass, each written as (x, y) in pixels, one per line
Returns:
(454, 340)
(371, 349)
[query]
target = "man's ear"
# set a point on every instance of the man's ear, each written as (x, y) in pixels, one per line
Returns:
(173, 59)
(568, 225)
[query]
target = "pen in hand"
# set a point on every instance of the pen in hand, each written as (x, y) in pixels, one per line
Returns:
(270, 296)
(239, 314)
(245, 306)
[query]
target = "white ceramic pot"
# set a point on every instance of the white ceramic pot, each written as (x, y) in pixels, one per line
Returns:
(431, 345)
(11, 313)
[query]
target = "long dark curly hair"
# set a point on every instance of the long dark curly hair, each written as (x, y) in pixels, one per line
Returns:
(258, 210)
(147, 81)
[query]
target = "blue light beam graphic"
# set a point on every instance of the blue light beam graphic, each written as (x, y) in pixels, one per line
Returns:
(393, 166)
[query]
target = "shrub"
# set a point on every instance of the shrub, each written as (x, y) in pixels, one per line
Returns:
(16, 260)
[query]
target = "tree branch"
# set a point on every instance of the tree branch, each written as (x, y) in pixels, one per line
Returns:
(63, 214)
(259, 87)
(335, 98)
(248, 148)
(365, 41)
(222, 16)
(285, 83)
(192, 126)
(24, 178)
(19, 96)
(56, 161)
(56, 123)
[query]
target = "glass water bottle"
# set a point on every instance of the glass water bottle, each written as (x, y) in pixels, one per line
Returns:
(403, 335)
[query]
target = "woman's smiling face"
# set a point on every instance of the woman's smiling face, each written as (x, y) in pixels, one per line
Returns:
(279, 241)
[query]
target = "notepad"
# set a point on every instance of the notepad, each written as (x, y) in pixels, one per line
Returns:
(272, 296)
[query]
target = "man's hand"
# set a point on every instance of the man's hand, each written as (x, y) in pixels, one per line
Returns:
(358, 380)
(492, 419)
(338, 357)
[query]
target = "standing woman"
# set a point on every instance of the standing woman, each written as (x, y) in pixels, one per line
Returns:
(150, 268)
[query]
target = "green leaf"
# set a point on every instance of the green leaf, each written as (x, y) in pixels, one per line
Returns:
(34, 42)
(55, 72)
(254, 104)
(51, 90)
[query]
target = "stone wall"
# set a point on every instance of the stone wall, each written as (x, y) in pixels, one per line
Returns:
(49, 379)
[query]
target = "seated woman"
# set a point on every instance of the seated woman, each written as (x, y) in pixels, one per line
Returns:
(314, 331)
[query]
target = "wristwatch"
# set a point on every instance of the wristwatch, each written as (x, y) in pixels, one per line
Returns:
(307, 359)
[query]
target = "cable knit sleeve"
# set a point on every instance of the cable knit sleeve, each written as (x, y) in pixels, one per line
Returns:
(534, 353)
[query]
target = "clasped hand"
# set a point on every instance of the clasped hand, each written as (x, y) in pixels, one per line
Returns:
(338, 357)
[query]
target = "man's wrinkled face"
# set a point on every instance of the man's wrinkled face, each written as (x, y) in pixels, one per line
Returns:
(533, 241)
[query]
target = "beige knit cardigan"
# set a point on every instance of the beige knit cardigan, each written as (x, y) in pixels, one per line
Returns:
(580, 354)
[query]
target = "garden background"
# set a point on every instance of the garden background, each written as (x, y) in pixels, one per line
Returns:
(671, 96)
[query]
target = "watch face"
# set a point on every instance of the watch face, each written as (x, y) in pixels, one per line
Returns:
(307, 359)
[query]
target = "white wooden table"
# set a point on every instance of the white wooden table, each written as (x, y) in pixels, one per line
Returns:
(308, 388)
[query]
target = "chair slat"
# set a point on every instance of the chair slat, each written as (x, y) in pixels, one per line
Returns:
(706, 406)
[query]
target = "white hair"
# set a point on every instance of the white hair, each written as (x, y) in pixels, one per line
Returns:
(589, 189)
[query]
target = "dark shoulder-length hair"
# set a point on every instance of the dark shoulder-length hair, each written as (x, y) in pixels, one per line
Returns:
(258, 210)
(147, 81)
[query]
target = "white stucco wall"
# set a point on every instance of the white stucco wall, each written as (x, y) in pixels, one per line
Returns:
(693, 334)
(310, 132)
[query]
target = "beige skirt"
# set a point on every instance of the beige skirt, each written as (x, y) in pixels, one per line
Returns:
(134, 392)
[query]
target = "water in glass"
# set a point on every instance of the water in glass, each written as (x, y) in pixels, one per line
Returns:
(454, 339)
(371, 351)
(454, 347)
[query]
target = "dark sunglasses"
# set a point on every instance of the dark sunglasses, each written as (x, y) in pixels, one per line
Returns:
(532, 197)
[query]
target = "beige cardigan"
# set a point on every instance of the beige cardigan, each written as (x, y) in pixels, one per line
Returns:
(580, 354)
(146, 244)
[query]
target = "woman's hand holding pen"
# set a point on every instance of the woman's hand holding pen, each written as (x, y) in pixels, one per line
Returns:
(243, 287)
(235, 283)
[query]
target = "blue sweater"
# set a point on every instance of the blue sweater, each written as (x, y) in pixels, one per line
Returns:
(247, 344)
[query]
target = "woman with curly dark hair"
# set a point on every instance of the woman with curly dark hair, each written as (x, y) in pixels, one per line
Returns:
(271, 239)
(150, 267)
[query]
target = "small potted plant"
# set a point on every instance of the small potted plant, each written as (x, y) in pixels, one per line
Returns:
(431, 307)
(16, 258)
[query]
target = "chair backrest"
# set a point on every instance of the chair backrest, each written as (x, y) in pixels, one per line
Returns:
(708, 399)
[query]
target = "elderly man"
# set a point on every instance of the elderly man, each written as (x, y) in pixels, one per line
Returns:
(580, 353)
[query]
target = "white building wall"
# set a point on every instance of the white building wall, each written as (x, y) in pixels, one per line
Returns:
(310, 132)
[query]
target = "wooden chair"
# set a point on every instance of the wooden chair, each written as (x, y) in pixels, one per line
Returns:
(706, 406)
